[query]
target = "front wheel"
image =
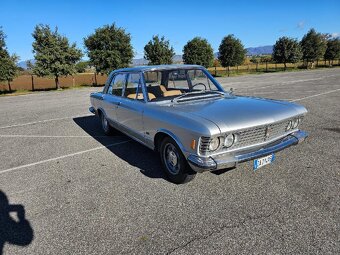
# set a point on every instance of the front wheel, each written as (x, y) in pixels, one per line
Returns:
(174, 164)
(108, 130)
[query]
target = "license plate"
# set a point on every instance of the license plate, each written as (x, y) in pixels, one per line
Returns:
(260, 162)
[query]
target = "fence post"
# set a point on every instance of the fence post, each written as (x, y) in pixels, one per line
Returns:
(32, 79)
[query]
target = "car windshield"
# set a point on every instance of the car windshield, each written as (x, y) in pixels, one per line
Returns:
(172, 84)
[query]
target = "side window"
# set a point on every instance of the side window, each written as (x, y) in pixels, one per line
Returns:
(199, 80)
(178, 80)
(117, 84)
(133, 89)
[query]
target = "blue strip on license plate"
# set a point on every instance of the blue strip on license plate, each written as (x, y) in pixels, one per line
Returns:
(260, 162)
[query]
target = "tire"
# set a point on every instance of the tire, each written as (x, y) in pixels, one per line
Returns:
(175, 165)
(108, 130)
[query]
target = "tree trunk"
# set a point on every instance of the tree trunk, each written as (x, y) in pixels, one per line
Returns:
(9, 86)
(285, 66)
(95, 78)
(215, 72)
(236, 69)
(275, 66)
(317, 63)
(257, 64)
(32, 79)
(57, 85)
(266, 66)
(325, 62)
(228, 71)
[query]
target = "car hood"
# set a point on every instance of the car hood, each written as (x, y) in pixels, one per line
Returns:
(233, 113)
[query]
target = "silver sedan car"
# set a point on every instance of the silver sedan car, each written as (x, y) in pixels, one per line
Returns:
(183, 113)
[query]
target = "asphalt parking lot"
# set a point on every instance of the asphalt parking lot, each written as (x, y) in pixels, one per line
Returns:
(83, 193)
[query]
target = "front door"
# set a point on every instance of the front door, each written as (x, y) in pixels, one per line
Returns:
(131, 107)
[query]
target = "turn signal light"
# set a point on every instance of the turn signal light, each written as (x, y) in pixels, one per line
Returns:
(193, 144)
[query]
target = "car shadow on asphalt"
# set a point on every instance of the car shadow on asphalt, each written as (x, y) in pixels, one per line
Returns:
(135, 154)
(15, 229)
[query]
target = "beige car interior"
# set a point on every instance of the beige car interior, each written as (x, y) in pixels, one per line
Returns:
(140, 96)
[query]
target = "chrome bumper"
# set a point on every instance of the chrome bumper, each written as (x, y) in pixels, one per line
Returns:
(228, 160)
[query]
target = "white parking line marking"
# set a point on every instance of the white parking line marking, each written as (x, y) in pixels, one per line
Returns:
(279, 84)
(324, 93)
(52, 136)
(61, 157)
(42, 121)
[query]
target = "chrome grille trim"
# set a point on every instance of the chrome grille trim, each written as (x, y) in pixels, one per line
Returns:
(260, 134)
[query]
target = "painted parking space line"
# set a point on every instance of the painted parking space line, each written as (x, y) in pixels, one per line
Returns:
(316, 95)
(52, 136)
(61, 157)
(43, 121)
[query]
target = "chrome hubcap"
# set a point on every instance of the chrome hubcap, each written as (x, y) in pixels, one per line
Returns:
(171, 158)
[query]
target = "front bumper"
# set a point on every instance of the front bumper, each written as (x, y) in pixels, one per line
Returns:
(229, 160)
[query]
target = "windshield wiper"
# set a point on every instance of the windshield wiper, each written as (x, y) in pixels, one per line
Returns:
(197, 92)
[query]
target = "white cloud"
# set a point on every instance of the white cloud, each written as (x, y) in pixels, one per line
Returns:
(335, 35)
(300, 24)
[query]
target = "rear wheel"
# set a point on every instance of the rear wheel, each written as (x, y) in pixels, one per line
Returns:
(108, 130)
(174, 164)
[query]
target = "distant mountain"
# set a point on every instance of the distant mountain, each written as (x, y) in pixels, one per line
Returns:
(261, 50)
(253, 51)
(23, 64)
(142, 61)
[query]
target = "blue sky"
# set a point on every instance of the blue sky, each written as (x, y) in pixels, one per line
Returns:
(256, 23)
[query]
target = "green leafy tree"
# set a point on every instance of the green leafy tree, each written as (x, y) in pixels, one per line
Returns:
(231, 52)
(8, 63)
(313, 46)
(286, 50)
(333, 50)
(109, 48)
(158, 51)
(199, 52)
(81, 66)
(53, 54)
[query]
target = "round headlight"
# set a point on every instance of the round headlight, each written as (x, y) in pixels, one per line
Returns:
(229, 140)
(295, 123)
(214, 144)
(289, 126)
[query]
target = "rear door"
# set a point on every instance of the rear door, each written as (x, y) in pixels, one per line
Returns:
(113, 96)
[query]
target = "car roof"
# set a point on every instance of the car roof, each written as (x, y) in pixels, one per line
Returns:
(156, 67)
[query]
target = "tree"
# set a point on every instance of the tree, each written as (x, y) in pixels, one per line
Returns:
(30, 67)
(266, 60)
(231, 52)
(199, 52)
(313, 46)
(8, 63)
(333, 50)
(109, 48)
(81, 66)
(158, 51)
(286, 50)
(53, 54)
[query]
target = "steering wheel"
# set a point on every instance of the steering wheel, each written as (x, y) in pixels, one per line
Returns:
(197, 84)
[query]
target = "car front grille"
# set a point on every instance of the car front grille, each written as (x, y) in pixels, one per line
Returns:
(250, 136)
(260, 134)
